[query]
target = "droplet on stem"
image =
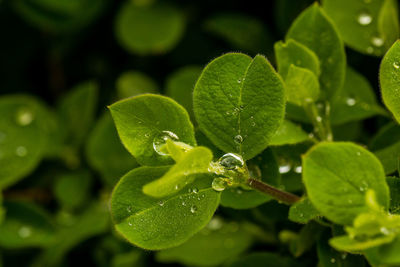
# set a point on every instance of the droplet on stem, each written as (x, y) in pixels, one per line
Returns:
(231, 161)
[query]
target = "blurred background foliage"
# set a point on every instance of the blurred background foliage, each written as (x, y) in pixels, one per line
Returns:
(63, 61)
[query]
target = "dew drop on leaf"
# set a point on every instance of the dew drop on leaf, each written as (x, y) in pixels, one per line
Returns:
(21, 151)
(396, 65)
(364, 19)
(24, 232)
(218, 184)
(384, 231)
(231, 161)
(298, 169)
(129, 209)
(161, 203)
(24, 117)
(195, 190)
(160, 140)
(285, 167)
(238, 139)
(193, 209)
(377, 41)
(215, 224)
(333, 260)
(370, 49)
(350, 101)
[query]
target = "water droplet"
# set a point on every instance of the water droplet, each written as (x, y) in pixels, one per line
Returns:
(285, 168)
(370, 49)
(298, 169)
(161, 203)
(146, 135)
(183, 203)
(396, 65)
(253, 124)
(2, 137)
(238, 139)
(193, 209)
(319, 118)
(130, 223)
(129, 209)
(231, 161)
(364, 19)
(21, 151)
(239, 191)
(215, 223)
(218, 184)
(384, 231)
(350, 101)
(176, 187)
(239, 81)
(24, 232)
(358, 153)
(195, 190)
(160, 140)
(24, 117)
(333, 260)
(377, 41)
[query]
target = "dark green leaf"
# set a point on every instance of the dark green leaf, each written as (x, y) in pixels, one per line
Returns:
(260, 259)
(133, 83)
(303, 211)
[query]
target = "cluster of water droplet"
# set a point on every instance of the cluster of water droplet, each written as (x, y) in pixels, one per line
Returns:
(232, 171)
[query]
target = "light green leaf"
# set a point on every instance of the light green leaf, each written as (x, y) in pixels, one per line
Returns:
(77, 111)
(23, 137)
(159, 224)
(212, 246)
(303, 211)
(25, 225)
(152, 28)
(294, 53)
(316, 31)
(109, 158)
(264, 166)
(239, 103)
(72, 189)
(385, 255)
(133, 83)
(195, 161)
(59, 16)
(369, 27)
(356, 101)
(288, 133)
(345, 243)
(180, 84)
(389, 77)
(240, 31)
(301, 86)
(141, 120)
(337, 176)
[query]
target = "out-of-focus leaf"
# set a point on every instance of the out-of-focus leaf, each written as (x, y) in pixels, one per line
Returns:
(132, 83)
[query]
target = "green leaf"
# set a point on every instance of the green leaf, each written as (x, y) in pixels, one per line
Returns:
(305, 239)
(59, 16)
(195, 161)
(337, 176)
(394, 186)
(294, 53)
(264, 166)
(346, 243)
(133, 83)
(328, 257)
(316, 31)
(259, 259)
(109, 158)
(288, 133)
(356, 101)
(369, 27)
(213, 245)
(303, 211)
(239, 103)
(128, 259)
(389, 157)
(72, 189)
(92, 222)
(2, 210)
(389, 77)
(25, 225)
(152, 28)
(180, 84)
(301, 86)
(141, 120)
(240, 31)
(23, 137)
(385, 255)
(159, 224)
(77, 110)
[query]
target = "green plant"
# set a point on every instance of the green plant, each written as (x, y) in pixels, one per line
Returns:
(282, 154)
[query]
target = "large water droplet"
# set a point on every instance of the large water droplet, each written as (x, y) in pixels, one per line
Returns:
(21, 151)
(364, 19)
(160, 140)
(25, 232)
(231, 161)
(218, 184)
(193, 209)
(238, 139)
(24, 117)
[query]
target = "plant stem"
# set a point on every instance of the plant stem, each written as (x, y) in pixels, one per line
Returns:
(323, 130)
(280, 195)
